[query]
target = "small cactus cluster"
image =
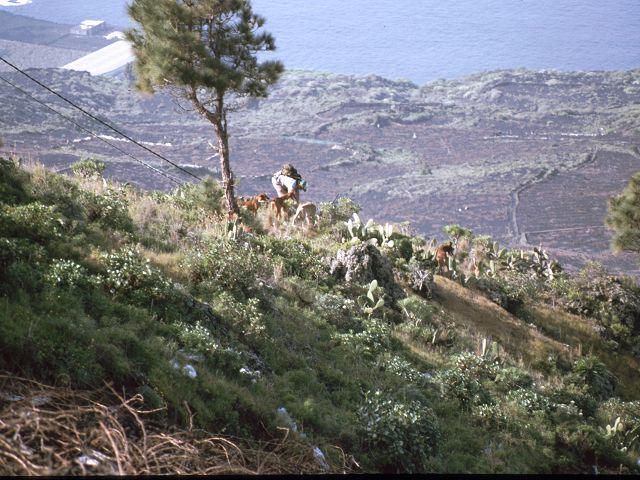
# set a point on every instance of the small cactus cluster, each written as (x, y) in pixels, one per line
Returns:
(379, 235)
(536, 263)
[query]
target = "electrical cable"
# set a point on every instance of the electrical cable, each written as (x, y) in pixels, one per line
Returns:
(98, 119)
(24, 92)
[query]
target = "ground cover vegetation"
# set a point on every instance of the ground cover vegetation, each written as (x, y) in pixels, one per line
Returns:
(496, 362)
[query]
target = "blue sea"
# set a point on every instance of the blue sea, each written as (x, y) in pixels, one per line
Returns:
(421, 40)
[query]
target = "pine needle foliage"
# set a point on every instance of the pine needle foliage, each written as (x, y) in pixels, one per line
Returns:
(205, 52)
(624, 217)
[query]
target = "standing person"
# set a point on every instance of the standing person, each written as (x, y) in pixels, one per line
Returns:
(288, 180)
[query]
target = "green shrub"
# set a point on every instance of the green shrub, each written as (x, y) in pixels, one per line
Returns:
(110, 209)
(245, 317)
(34, 221)
(464, 380)
(13, 183)
(397, 365)
(512, 378)
(418, 319)
(337, 310)
(89, 168)
(129, 275)
(621, 423)
(614, 302)
(66, 273)
(590, 371)
(297, 257)
(374, 339)
(22, 265)
(337, 212)
(197, 199)
(401, 436)
(218, 265)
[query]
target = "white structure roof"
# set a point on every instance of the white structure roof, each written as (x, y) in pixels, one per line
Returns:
(107, 59)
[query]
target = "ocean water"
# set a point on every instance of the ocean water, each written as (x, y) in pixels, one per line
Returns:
(421, 40)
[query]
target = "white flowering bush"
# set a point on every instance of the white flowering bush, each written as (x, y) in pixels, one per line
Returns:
(491, 416)
(224, 265)
(127, 273)
(337, 310)
(66, 273)
(35, 221)
(245, 316)
(404, 433)
(401, 367)
(197, 337)
(530, 400)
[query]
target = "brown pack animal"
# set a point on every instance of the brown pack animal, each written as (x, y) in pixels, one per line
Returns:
(443, 252)
(278, 204)
(307, 212)
(253, 204)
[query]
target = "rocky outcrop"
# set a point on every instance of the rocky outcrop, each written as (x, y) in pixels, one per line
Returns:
(363, 263)
(422, 283)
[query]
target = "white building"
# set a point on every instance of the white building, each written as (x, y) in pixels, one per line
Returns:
(89, 28)
(107, 60)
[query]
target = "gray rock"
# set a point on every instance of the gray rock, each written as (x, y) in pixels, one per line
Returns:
(363, 263)
(422, 283)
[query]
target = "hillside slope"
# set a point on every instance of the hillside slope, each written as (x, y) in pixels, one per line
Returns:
(165, 339)
(527, 157)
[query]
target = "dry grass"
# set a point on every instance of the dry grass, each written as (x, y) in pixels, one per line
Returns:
(523, 342)
(48, 430)
(579, 333)
(558, 333)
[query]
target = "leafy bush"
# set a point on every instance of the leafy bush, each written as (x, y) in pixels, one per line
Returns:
(129, 275)
(297, 257)
(614, 302)
(13, 183)
(22, 265)
(221, 265)
(397, 365)
(109, 209)
(464, 380)
(337, 212)
(622, 423)
(418, 318)
(34, 221)
(197, 199)
(66, 273)
(245, 317)
(337, 310)
(403, 435)
(89, 168)
(594, 374)
(373, 340)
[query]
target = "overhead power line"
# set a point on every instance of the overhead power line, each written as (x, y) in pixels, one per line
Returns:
(24, 92)
(99, 120)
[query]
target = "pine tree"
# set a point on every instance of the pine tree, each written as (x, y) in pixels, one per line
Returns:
(205, 52)
(624, 217)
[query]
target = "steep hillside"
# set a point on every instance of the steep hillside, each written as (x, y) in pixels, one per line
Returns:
(527, 157)
(142, 333)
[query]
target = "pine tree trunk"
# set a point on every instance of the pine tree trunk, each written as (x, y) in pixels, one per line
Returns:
(219, 122)
(227, 178)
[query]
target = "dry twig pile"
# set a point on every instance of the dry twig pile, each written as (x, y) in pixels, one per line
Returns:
(48, 430)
